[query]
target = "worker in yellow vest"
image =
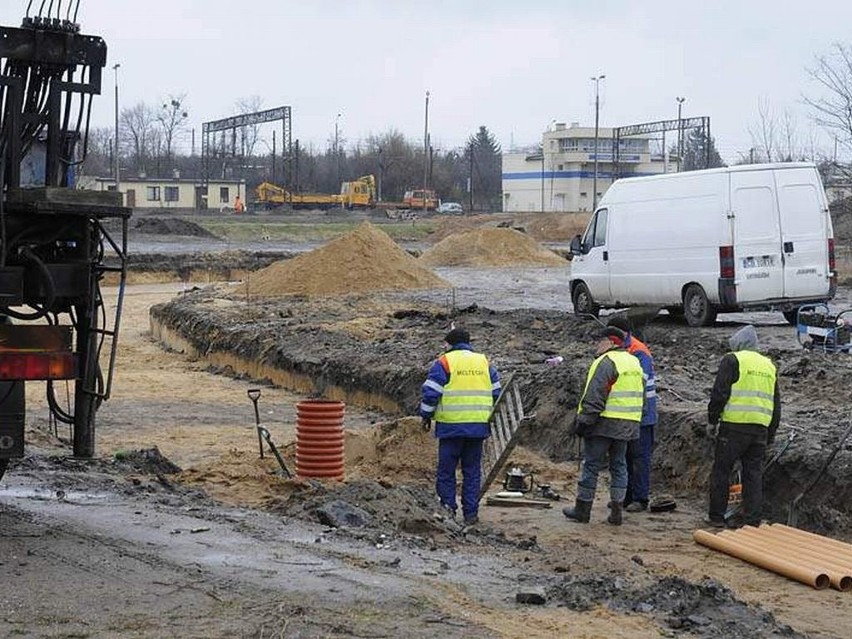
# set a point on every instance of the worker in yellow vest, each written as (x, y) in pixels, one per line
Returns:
(458, 394)
(743, 415)
(608, 417)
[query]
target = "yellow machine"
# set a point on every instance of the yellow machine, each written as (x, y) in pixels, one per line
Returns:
(271, 196)
(359, 194)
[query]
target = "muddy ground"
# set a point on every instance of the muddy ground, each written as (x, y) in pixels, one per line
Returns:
(125, 546)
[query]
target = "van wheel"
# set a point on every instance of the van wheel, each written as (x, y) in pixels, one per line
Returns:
(583, 302)
(792, 316)
(697, 308)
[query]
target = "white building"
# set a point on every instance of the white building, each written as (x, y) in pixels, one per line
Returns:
(562, 178)
(172, 193)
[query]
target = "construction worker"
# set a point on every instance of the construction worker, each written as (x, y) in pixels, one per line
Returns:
(743, 414)
(238, 205)
(639, 450)
(608, 418)
(458, 395)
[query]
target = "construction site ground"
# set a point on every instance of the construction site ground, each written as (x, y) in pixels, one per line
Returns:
(178, 528)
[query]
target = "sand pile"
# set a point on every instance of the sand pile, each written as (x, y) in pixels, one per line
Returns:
(490, 247)
(365, 259)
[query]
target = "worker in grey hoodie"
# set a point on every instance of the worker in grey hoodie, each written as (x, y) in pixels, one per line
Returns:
(743, 415)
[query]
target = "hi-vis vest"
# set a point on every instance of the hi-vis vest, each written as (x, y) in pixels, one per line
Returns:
(467, 397)
(625, 397)
(753, 394)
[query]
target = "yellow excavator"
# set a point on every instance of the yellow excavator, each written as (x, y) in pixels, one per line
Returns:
(359, 193)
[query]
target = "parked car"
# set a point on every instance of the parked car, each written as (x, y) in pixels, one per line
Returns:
(450, 207)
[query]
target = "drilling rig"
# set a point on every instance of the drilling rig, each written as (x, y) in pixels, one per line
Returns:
(57, 243)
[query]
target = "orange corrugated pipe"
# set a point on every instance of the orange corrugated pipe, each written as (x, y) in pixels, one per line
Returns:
(815, 578)
(840, 576)
(319, 439)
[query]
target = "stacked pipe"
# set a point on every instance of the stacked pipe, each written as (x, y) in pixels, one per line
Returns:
(812, 559)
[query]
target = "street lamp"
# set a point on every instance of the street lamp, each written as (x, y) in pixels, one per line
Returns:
(680, 102)
(115, 154)
(597, 81)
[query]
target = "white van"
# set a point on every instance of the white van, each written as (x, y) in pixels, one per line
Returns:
(751, 237)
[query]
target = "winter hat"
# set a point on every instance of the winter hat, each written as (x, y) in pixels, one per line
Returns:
(620, 322)
(744, 339)
(613, 334)
(457, 336)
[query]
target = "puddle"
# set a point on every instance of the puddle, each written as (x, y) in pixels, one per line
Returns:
(41, 494)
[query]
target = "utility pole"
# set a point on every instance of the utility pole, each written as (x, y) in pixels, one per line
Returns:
(597, 81)
(426, 153)
(273, 157)
(542, 177)
(115, 155)
(336, 147)
(680, 102)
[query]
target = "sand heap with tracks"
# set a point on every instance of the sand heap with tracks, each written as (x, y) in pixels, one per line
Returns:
(365, 259)
(490, 247)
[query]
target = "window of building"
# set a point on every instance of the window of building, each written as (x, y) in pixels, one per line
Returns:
(583, 194)
(172, 193)
(111, 187)
(561, 166)
(224, 194)
(152, 193)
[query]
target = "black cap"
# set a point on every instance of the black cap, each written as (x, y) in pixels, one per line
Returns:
(457, 336)
(613, 334)
(619, 321)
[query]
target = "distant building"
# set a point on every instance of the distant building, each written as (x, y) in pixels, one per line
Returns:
(172, 193)
(562, 178)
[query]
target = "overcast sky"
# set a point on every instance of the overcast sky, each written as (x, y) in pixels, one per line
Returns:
(513, 66)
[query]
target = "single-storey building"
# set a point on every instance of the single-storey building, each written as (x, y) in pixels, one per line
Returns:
(172, 193)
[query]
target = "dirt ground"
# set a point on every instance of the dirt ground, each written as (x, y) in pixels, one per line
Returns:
(128, 545)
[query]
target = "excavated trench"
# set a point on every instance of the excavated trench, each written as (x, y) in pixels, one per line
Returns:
(373, 350)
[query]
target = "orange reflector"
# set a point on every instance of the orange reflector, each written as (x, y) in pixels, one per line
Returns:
(33, 366)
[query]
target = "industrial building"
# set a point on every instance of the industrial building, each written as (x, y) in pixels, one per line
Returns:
(562, 177)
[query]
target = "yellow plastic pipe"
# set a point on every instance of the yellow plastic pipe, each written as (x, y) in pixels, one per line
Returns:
(831, 553)
(840, 576)
(840, 546)
(763, 559)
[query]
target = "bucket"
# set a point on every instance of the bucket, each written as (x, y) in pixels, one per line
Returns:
(319, 439)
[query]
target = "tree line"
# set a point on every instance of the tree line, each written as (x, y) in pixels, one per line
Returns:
(148, 147)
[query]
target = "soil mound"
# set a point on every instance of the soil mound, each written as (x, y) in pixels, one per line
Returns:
(169, 226)
(365, 259)
(490, 247)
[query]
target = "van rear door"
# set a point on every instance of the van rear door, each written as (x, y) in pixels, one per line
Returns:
(804, 232)
(758, 271)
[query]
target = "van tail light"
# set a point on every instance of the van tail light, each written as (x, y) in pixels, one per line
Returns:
(726, 262)
(832, 261)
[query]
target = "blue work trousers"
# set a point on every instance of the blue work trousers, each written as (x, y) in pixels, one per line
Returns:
(468, 451)
(639, 465)
(596, 451)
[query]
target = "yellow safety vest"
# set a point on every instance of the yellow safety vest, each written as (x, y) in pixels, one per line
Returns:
(467, 396)
(625, 397)
(753, 394)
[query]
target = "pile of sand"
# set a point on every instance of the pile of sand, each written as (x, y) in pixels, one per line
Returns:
(365, 259)
(490, 247)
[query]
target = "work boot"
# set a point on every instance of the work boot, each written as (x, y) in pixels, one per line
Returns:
(615, 513)
(581, 512)
(636, 506)
(715, 522)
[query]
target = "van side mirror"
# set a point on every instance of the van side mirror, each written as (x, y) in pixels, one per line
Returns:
(576, 246)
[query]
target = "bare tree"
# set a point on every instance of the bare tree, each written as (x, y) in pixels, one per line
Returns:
(137, 123)
(171, 119)
(833, 111)
(789, 138)
(249, 135)
(764, 133)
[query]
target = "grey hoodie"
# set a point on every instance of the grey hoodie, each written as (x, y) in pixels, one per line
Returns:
(744, 339)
